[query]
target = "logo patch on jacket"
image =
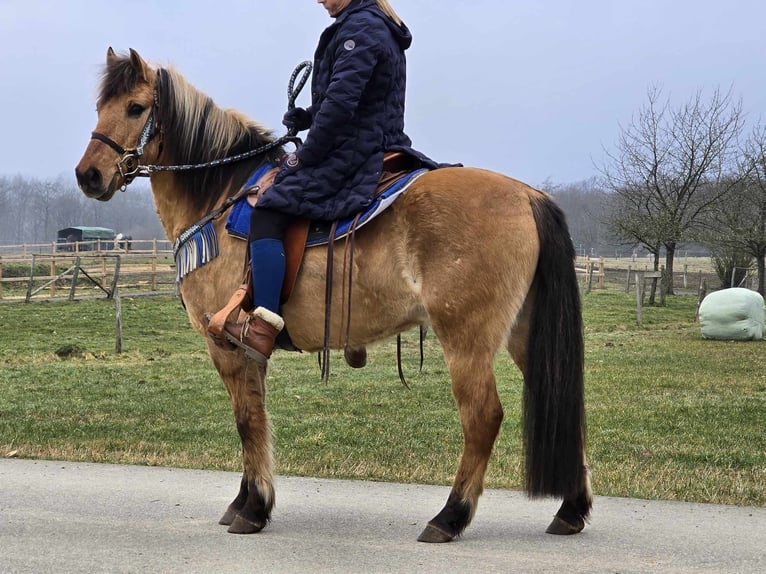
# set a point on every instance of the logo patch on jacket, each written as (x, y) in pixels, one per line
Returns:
(349, 45)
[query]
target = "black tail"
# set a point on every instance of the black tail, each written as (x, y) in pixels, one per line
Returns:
(554, 402)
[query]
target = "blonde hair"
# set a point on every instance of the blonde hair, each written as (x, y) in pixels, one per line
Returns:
(385, 7)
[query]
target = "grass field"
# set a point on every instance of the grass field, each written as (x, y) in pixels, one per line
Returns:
(670, 415)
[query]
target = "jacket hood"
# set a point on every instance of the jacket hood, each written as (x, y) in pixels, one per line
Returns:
(401, 33)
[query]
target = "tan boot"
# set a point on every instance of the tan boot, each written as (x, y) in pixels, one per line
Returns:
(256, 335)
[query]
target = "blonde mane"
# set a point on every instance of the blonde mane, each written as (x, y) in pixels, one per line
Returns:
(224, 129)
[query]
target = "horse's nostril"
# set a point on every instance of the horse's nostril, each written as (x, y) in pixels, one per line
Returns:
(91, 179)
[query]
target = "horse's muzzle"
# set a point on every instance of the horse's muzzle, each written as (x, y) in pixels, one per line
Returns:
(91, 183)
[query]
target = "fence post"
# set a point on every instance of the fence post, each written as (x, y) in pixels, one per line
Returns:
(75, 274)
(639, 298)
(601, 272)
(154, 266)
(118, 315)
(53, 274)
(627, 280)
(686, 268)
(700, 296)
(31, 280)
(116, 277)
(664, 284)
(1, 276)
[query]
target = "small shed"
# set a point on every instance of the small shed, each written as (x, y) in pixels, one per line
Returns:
(89, 236)
(735, 314)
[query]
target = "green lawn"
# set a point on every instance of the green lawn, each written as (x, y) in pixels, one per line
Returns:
(670, 415)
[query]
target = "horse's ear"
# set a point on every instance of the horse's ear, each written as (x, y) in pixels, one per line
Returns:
(138, 65)
(110, 55)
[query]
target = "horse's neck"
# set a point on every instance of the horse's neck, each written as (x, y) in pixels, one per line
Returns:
(174, 209)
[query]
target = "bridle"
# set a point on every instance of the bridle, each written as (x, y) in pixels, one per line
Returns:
(129, 164)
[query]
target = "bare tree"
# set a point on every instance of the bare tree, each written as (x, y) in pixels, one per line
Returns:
(670, 166)
(738, 224)
(755, 155)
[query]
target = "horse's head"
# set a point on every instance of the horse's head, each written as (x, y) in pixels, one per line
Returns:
(126, 128)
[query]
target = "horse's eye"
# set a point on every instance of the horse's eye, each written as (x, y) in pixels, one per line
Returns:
(135, 110)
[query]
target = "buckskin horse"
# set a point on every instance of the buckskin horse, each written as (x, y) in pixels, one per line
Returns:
(482, 259)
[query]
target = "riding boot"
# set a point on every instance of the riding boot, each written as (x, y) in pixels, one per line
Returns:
(267, 258)
(257, 334)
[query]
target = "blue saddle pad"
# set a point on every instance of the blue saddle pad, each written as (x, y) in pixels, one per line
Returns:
(238, 221)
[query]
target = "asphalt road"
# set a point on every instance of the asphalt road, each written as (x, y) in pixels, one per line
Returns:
(69, 517)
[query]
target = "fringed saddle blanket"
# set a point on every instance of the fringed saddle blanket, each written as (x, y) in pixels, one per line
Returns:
(198, 245)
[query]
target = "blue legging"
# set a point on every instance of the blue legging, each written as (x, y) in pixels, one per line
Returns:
(267, 255)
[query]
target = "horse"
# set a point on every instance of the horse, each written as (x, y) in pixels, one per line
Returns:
(483, 260)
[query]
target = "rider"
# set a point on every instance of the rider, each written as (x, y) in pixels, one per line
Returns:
(356, 114)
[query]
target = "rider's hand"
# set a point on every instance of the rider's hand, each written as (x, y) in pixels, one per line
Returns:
(297, 119)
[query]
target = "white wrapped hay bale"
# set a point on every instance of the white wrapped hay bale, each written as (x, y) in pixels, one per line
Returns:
(733, 314)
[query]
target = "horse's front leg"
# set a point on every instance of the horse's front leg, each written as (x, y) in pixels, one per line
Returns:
(473, 386)
(245, 380)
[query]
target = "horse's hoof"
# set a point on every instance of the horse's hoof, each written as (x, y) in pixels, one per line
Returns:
(228, 516)
(561, 527)
(433, 534)
(243, 526)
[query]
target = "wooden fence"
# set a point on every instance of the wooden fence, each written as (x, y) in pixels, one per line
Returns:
(99, 246)
(82, 269)
(147, 265)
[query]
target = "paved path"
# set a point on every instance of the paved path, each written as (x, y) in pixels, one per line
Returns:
(69, 517)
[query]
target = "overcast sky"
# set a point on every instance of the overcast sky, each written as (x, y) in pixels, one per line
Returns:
(533, 89)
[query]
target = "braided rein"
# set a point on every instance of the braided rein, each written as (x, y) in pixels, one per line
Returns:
(293, 91)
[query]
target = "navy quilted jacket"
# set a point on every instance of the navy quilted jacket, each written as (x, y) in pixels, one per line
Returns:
(357, 112)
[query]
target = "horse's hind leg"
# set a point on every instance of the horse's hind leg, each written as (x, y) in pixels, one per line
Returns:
(250, 511)
(573, 513)
(574, 510)
(473, 386)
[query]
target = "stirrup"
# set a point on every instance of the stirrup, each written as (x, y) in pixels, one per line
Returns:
(217, 321)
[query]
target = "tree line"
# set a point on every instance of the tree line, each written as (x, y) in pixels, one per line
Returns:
(33, 210)
(684, 176)
(690, 172)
